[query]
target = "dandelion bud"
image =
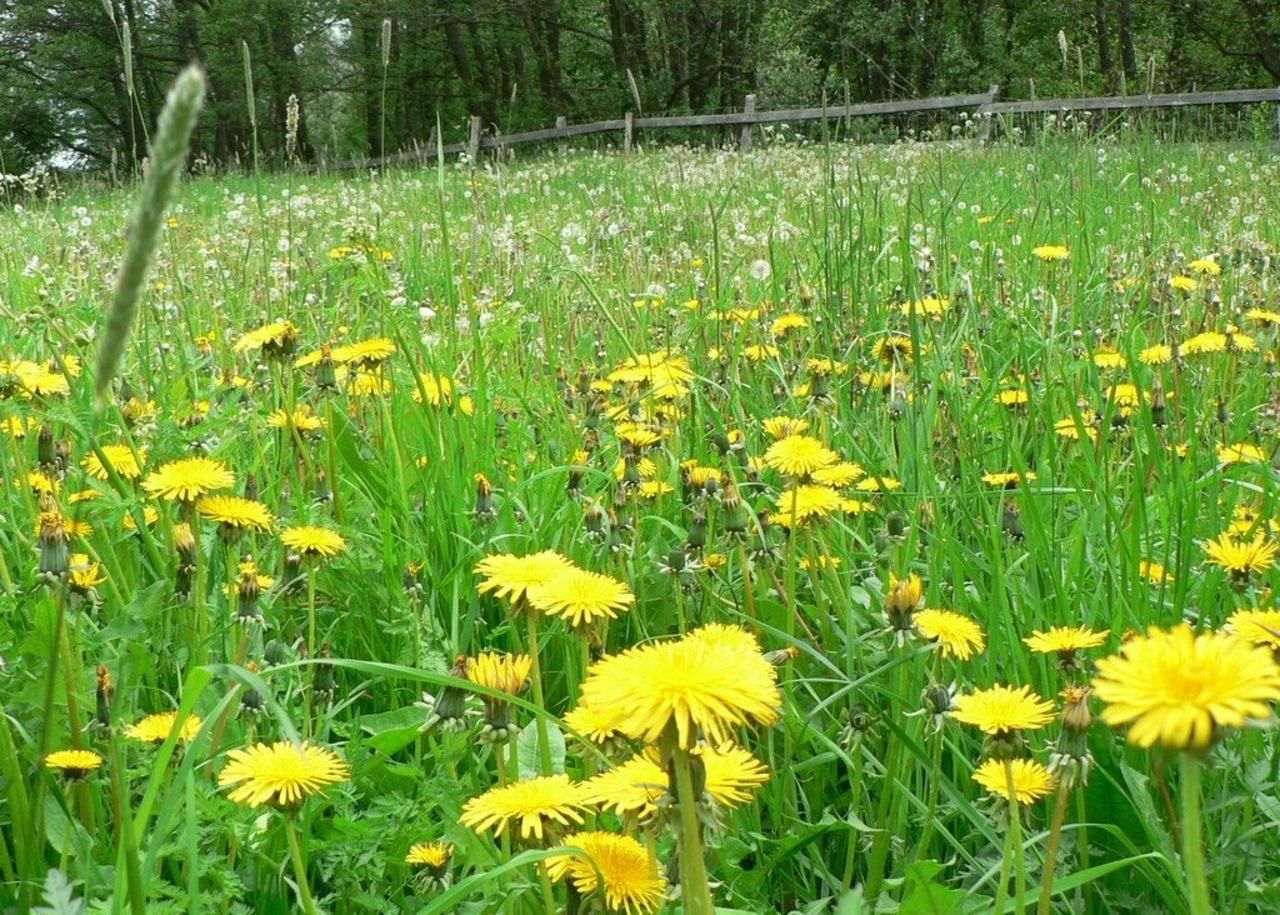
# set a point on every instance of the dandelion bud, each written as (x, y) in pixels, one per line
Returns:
(1157, 402)
(1071, 758)
(326, 374)
(783, 656)
(900, 602)
(937, 699)
(248, 613)
(676, 561)
(595, 522)
(251, 487)
(484, 497)
(1224, 416)
(448, 710)
(630, 471)
(292, 571)
(106, 691)
(46, 450)
(275, 653)
(735, 513)
(324, 681)
(697, 537)
(55, 560)
(1013, 521)
(895, 524)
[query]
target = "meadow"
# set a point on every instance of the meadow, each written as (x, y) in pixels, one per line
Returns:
(687, 531)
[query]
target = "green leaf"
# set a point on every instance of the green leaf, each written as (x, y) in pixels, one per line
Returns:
(926, 896)
(58, 896)
(528, 749)
(392, 731)
(852, 903)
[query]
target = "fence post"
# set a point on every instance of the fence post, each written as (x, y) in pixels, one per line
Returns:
(987, 113)
(473, 143)
(628, 127)
(429, 154)
(1278, 117)
(744, 140)
(562, 125)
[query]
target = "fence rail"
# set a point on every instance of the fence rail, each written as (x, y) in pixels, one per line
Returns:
(986, 105)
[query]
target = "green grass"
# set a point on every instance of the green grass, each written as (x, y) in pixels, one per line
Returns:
(521, 283)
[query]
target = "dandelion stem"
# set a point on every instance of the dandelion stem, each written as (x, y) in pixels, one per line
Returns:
(540, 722)
(694, 891)
(1192, 850)
(299, 865)
(1015, 832)
(1051, 846)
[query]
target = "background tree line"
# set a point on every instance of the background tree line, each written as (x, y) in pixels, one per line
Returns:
(65, 86)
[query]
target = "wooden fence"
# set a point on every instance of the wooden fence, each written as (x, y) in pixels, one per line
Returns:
(985, 105)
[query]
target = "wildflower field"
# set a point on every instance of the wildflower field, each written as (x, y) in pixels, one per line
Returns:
(822, 529)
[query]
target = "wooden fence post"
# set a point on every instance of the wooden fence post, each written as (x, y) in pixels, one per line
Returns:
(986, 112)
(1278, 117)
(429, 154)
(744, 139)
(562, 127)
(628, 129)
(473, 143)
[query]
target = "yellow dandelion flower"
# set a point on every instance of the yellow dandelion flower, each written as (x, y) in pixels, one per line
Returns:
(510, 577)
(1261, 627)
(1001, 709)
(1008, 479)
(1013, 397)
(187, 479)
(1051, 252)
(1241, 557)
(508, 673)
(805, 502)
(690, 685)
(1242, 453)
(236, 513)
(157, 728)
(957, 635)
(1109, 360)
(837, 476)
(301, 419)
(1180, 690)
(433, 389)
(283, 774)
(799, 455)
(120, 457)
(1206, 343)
(278, 336)
(1062, 640)
(313, 541)
(1205, 265)
(1263, 316)
(532, 803)
(1154, 572)
(788, 321)
(580, 597)
(434, 855)
(85, 573)
(1031, 780)
(1156, 354)
(73, 764)
(617, 868)
(1183, 283)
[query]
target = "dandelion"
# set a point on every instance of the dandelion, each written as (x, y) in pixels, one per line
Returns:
(312, 541)
(187, 479)
(580, 597)
(691, 686)
(800, 504)
(157, 728)
(236, 514)
(1242, 453)
(1050, 253)
(1180, 690)
(120, 458)
(283, 774)
(1003, 709)
(799, 455)
(956, 635)
(1260, 626)
(1031, 780)
(617, 868)
(73, 765)
(1241, 557)
(510, 577)
(535, 805)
